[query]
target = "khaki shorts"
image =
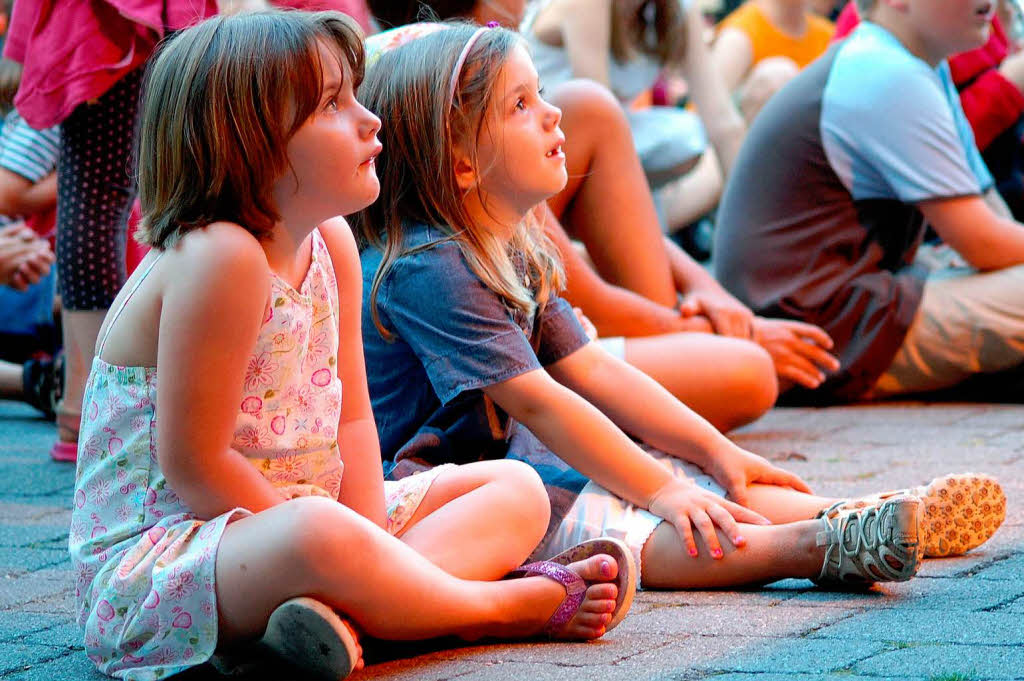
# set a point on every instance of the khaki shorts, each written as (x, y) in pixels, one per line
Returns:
(968, 323)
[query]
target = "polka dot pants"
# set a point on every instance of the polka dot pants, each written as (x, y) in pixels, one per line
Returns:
(95, 191)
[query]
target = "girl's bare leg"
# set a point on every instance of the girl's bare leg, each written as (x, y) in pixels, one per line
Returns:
(454, 526)
(785, 505)
(728, 381)
(319, 548)
(607, 203)
(772, 552)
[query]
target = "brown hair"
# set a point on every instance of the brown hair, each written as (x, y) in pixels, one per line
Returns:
(221, 101)
(407, 88)
(10, 78)
(656, 28)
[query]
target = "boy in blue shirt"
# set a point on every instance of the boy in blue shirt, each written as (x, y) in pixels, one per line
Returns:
(830, 197)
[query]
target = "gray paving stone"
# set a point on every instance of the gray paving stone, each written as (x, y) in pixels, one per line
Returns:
(20, 657)
(28, 515)
(973, 662)
(754, 621)
(953, 626)
(35, 536)
(808, 655)
(27, 587)
(70, 666)
(751, 635)
(64, 634)
(15, 625)
(32, 559)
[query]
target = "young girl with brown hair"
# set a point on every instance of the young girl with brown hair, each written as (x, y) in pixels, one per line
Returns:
(212, 501)
(472, 353)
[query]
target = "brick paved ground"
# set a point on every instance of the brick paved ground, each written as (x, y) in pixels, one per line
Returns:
(960, 619)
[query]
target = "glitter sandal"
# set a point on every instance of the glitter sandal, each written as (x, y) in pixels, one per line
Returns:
(576, 587)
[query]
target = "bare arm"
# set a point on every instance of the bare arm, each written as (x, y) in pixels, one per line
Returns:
(362, 483)
(970, 226)
(732, 55)
(586, 33)
(639, 405)
(581, 435)
(20, 196)
(703, 295)
(711, 94)
(202, 355)
(615, 311)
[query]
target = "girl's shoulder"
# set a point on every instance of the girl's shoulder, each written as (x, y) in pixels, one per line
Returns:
(221, 252)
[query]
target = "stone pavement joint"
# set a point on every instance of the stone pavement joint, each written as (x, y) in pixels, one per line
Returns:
(961, 618)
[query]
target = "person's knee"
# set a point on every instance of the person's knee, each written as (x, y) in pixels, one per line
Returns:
(317, 527)
(525, 495)
(585, 102)
(767, 78)
(753, 383)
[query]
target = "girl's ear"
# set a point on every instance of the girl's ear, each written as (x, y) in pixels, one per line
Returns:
(465, 173)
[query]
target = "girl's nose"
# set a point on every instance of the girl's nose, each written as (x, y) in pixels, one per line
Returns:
(370, 125)
(553, 116)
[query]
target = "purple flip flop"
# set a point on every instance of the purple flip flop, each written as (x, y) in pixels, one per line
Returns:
(576, 587)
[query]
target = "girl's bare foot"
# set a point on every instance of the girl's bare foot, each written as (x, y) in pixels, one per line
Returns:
(525, 605)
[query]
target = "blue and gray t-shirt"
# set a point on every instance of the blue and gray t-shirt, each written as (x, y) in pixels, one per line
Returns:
(819, 219)
(453, 337)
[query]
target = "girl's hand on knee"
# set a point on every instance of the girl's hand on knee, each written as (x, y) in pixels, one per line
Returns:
(736, 469)
(687, 507)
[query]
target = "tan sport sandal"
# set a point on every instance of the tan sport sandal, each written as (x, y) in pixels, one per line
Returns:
(961, 511)
(872, 544)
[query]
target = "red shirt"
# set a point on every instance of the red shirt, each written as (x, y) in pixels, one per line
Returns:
(75, 50)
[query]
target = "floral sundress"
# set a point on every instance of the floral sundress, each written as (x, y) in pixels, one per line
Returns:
(144, 563)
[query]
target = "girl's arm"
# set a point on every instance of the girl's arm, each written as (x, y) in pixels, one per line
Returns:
(587, 36)
(614, 310)
(362, 484)
(210, 316)
(732, 54)
(584, 437)
(640, 406)
(723, 123)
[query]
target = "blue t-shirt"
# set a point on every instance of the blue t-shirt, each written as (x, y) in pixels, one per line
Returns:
(454, 336)
(819, 221)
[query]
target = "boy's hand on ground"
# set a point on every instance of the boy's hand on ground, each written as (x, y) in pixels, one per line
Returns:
(686, 506)
(799, 351)
(736, 469)
(729, 317)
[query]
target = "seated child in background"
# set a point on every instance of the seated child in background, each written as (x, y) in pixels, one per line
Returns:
(28, 196)
(867, 144)
(220, 473)
(764, 43)
(990, 80)
(625, 45)
(471, 352)
(643, 293)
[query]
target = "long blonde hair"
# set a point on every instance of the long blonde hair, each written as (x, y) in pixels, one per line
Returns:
(407, 87)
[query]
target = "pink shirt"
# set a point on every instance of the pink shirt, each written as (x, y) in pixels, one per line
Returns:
(77, 51)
